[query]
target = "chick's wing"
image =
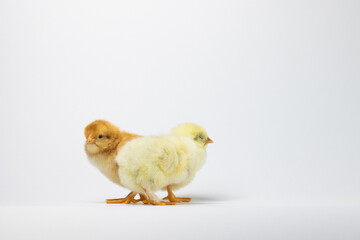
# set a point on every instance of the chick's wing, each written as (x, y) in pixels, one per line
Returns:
(168, 158)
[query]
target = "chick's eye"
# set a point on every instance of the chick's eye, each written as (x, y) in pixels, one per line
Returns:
(199, 138)
(100, 136)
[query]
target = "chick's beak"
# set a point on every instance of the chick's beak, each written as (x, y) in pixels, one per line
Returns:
(90, 141)
(208, 140)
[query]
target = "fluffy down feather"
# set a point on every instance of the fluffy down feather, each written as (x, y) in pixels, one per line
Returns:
(148, 164)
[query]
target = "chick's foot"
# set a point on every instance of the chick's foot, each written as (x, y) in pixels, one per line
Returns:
(174, 199)
(171, 197)
(128, 199)
(161, 203)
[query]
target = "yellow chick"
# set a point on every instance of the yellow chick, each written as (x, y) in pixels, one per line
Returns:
(148, 164)
(103, 142)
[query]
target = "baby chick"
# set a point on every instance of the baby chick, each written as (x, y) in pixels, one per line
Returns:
(103, 142)
(148, 164)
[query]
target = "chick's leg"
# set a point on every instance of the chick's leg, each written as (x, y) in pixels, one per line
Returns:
(143, 198)
(153, 199)
(128, 199)
(171, 196)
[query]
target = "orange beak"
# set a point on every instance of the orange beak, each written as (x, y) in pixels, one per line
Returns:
(208, 140)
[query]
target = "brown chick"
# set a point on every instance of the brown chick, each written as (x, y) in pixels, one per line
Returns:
(103, 142)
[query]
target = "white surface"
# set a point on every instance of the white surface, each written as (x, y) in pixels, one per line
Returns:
(275, 83)
(199, 220)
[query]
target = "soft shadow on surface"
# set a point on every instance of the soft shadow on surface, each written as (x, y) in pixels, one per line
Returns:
(212, 198)
(195, 199)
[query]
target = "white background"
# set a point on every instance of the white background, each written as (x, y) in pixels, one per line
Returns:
(275, 83)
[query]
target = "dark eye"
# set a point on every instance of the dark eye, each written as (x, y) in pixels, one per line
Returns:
(100, 136)
(199, 138)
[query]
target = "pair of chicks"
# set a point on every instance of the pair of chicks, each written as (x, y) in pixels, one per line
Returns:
(145, 165)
